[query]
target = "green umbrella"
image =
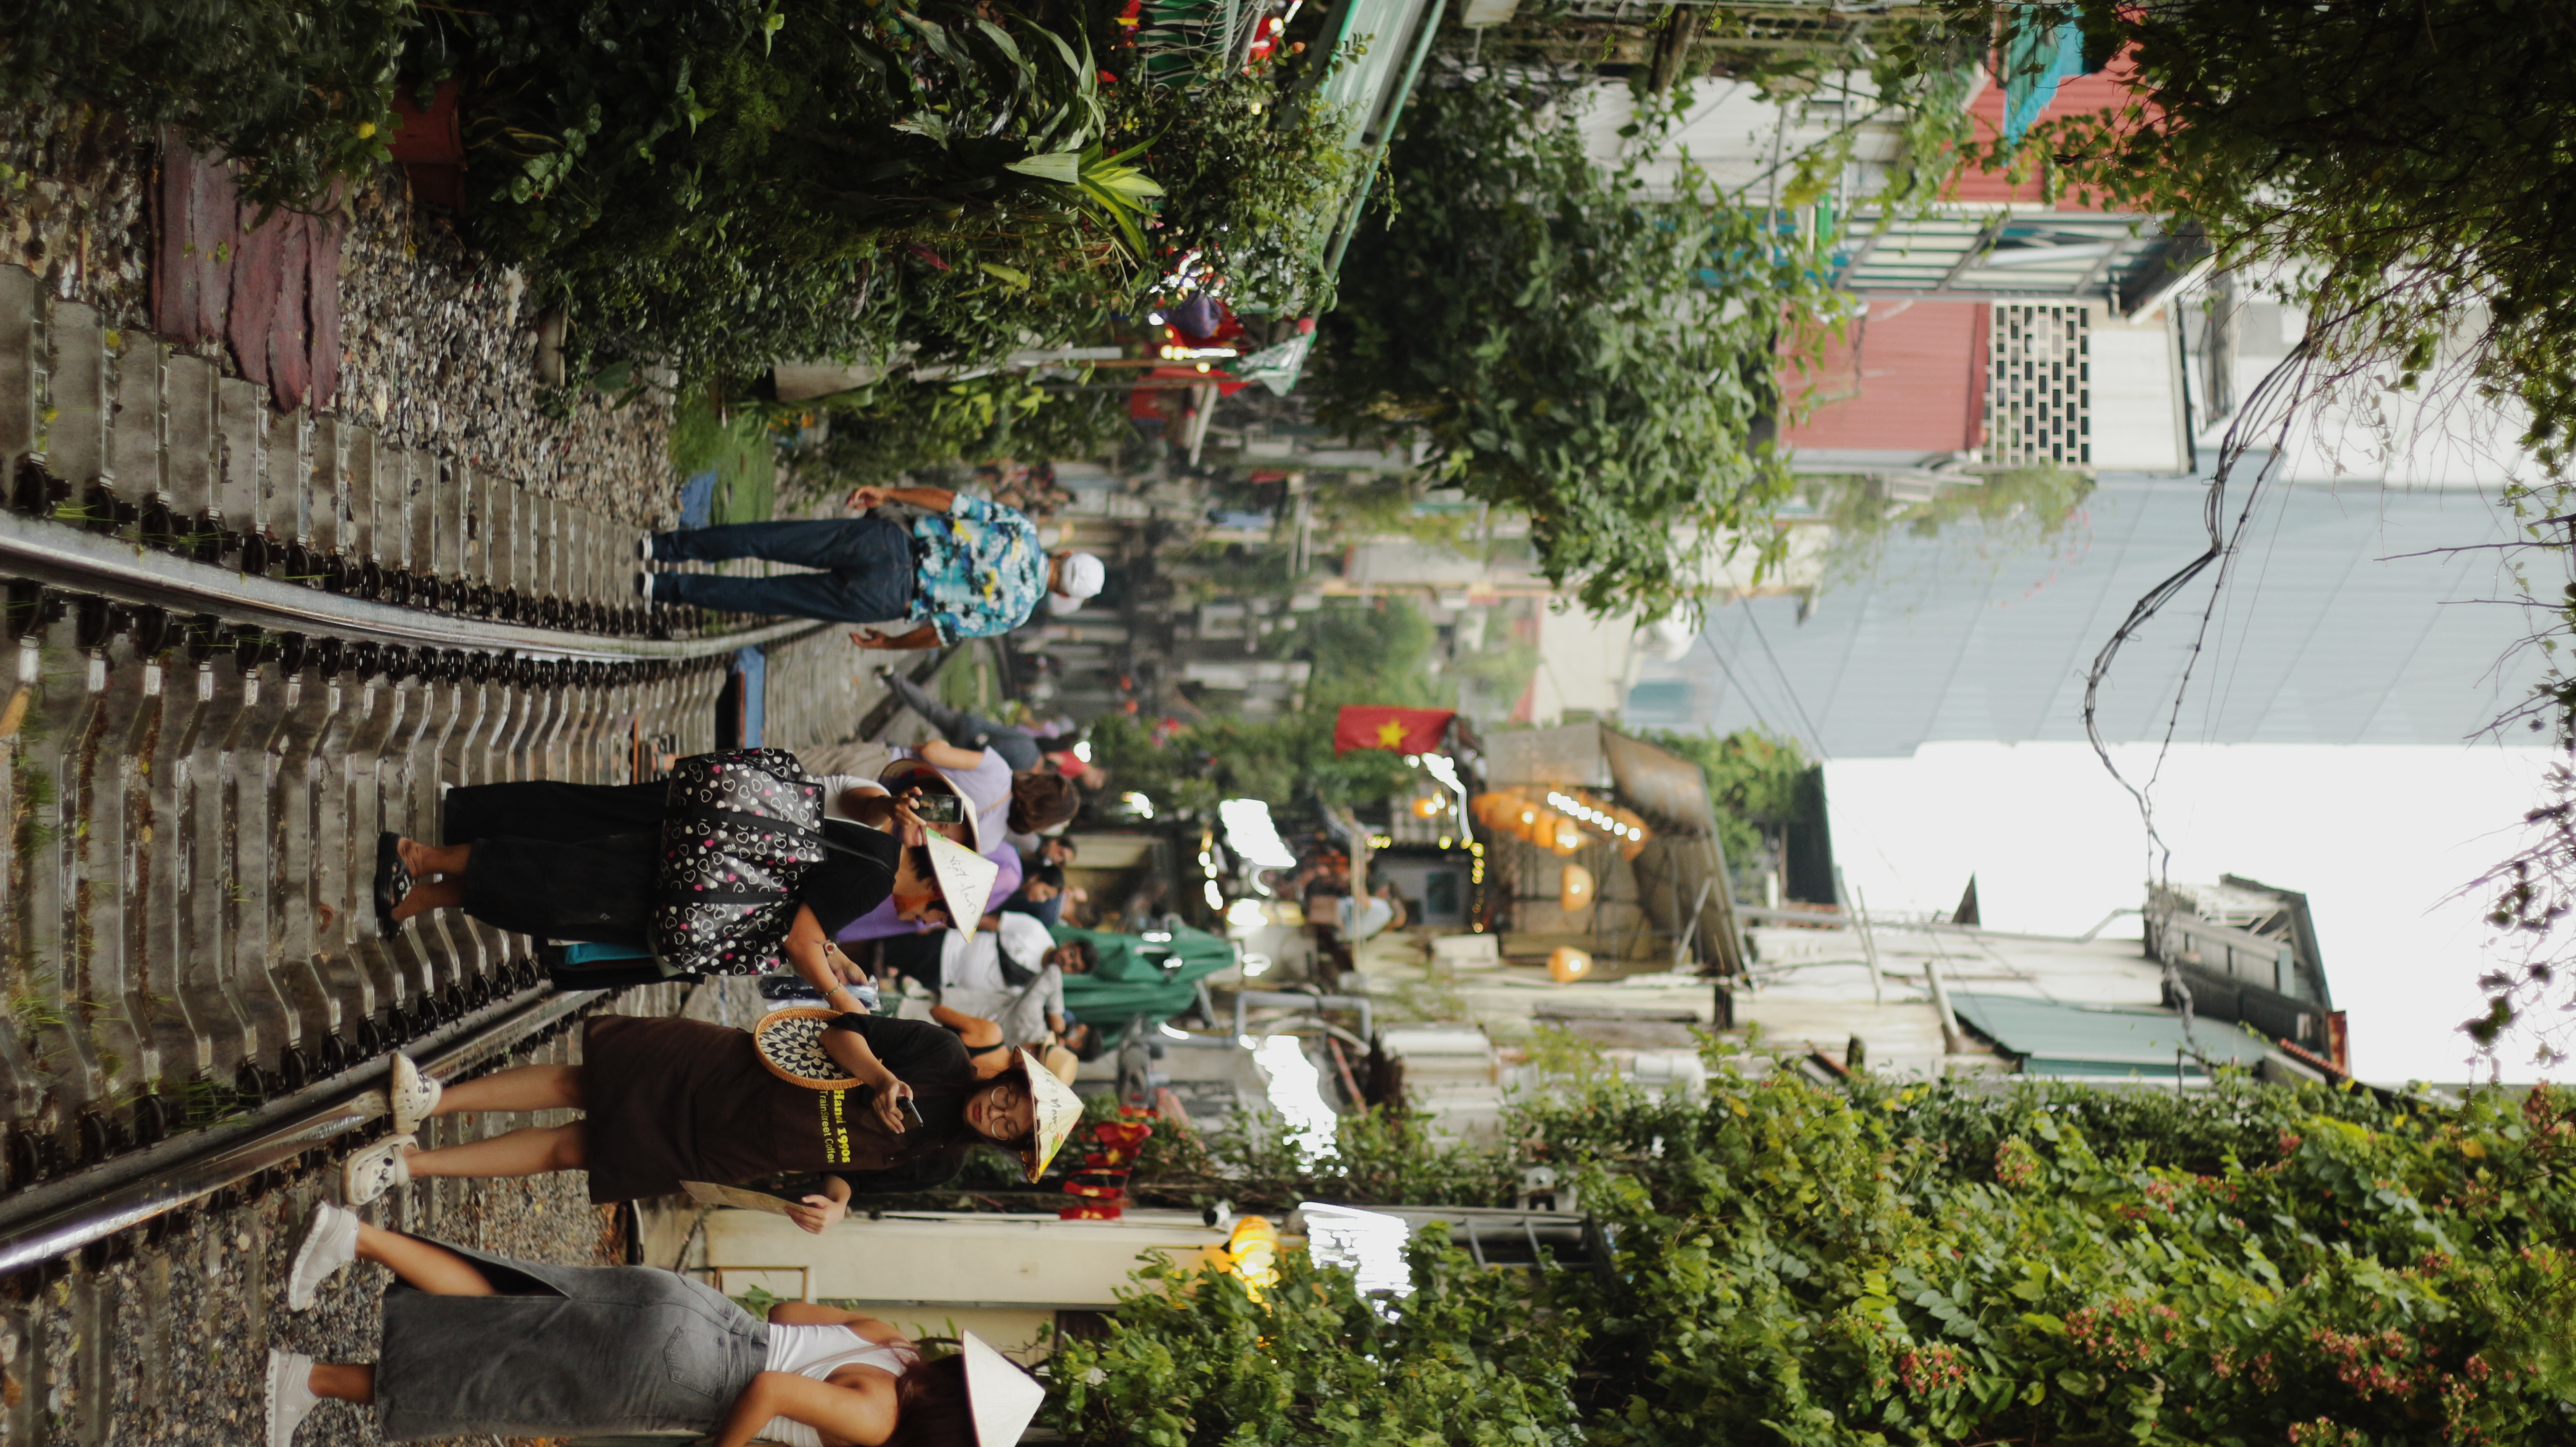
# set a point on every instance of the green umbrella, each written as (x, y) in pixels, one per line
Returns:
(1138, 976)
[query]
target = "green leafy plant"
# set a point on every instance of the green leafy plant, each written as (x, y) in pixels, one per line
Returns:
(1116, 192)
(899, 425)
(1191, 1360)
(1253, 163)
(1994, 514)
(300, 93)
(720, 184)
(1571, 347)
(1918, 1263)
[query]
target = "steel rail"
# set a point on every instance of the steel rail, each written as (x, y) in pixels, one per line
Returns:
(48, 1221)
(73, 558)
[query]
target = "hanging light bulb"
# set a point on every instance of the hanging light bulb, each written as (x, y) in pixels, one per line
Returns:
(1574, 888)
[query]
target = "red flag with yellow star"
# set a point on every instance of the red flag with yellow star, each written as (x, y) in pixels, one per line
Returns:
(1402, 730)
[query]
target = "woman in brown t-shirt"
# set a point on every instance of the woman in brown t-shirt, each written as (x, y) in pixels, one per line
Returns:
(668, 1101)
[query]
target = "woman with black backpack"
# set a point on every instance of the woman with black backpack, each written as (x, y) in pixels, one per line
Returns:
(606, 890)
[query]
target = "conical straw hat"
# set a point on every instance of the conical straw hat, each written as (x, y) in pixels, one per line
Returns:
(965, 879)
(1058, 1110)
(1003, 1398)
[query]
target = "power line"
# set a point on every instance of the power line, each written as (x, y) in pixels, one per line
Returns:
(1733, 682)
(2287, 377)
(1814, 734)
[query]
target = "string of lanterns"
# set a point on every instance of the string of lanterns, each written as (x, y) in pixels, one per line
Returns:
(1561, 821)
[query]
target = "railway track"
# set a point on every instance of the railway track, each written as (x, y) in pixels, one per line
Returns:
(235, 645)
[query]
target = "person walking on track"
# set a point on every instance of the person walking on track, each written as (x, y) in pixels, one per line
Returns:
(669, 1101)
(1020, 748)
(964, 568)
(479, 1346)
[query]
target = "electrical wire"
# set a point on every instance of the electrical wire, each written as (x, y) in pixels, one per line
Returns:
(1815, 735)
(2270, 406)
(1735, 683)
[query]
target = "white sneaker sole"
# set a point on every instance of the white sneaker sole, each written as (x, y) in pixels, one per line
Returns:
(301, 1285)
(283, 1368)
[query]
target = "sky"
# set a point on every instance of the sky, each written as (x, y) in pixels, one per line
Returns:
(2381, 839)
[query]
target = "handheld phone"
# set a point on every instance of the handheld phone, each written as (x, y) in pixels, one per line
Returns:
(940, 809)
(910, 1109)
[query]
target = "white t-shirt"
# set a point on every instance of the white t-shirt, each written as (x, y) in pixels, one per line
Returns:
(971, 979)
(835, 785)
(974, 962)
(817, 1352)
(1363, 918)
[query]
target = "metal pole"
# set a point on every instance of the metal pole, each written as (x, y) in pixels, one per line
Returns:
(1868, 939)
(1690, 932)
(1952, 1043)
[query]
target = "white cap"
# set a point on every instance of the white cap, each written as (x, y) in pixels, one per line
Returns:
(1082, 577)
(1000, 1394)
(965, 878)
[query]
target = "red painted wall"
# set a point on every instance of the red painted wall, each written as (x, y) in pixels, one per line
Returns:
(2106, 89)
(1911, 376)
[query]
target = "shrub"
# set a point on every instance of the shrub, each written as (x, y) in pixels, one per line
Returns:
(1940, 1263)
(720, 183)
(1464, 1361)
(300, 93)
(1570, 346)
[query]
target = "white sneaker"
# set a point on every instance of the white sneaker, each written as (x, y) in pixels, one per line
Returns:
(330, 1242)
(412, 1096)
(290, 1395)
(643, 547)
(644, 587)
(377, 1169)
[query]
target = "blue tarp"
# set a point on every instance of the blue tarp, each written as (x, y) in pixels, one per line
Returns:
(2036, 58)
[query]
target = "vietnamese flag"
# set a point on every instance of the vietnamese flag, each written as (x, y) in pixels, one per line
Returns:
(1403, 730)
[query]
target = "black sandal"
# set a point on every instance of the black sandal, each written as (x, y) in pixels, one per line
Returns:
(393, 884)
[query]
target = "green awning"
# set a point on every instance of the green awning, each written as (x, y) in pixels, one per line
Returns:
(2054, 1038)
(1137, 976)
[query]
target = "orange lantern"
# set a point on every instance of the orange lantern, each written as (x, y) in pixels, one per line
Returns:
(1633, 843)
(1566, 964)
(1574, 888)
(1568, 838)
(1538, 825)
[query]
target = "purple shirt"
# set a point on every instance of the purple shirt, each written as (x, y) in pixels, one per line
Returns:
(882, 922)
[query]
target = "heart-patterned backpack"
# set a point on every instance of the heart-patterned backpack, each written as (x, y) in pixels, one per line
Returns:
(739, 830)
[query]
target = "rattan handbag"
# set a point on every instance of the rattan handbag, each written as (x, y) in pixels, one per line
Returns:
(790, 1042)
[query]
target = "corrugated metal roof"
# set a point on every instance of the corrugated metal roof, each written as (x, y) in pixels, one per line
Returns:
(1908, 378)
(2062, 1039)
(2318, 639)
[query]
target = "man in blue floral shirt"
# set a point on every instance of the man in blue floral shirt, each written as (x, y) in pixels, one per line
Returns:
(964, 568)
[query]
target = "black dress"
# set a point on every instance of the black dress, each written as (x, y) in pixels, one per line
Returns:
(600, 890)
(668, 1101)
(550, 809)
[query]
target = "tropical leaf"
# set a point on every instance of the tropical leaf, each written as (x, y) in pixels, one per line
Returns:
(1062, 167)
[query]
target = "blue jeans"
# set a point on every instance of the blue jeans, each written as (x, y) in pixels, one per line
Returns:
(868, 563)
(1017, 746)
